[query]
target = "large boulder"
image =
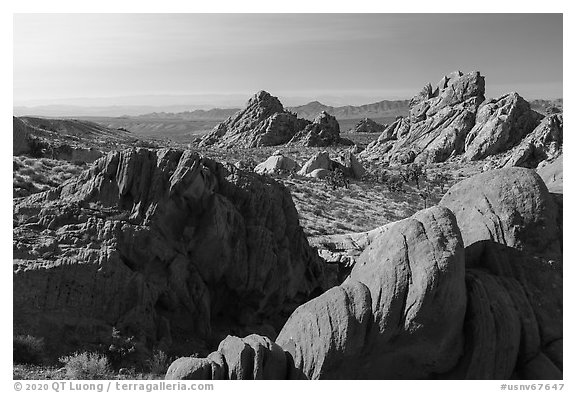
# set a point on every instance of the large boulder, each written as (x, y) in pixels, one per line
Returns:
(411, 280)
(264, 122)
(163, 245)
(511, 228)
(345, 161)
(277, 163)
(324, 131)
(351, 166)
(500, 124)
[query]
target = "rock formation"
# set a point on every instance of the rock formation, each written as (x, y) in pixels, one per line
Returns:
(264, 122)
(277, 163)
(500, 124)
(468, 289)
(440, 118)
(544, 143)
(451, 119)
(324, 131)
(163, 245)
(369, 126)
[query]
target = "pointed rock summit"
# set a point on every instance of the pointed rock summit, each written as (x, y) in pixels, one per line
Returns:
(264, 122)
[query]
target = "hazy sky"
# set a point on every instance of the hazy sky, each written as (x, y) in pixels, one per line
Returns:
(355, 58)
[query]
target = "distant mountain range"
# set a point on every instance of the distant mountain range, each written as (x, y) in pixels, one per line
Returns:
(381, 109)
(378, 109)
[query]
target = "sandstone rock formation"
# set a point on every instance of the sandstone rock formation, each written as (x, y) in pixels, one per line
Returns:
(324, 131)
(264, 122)
(277, 163)
(500, 124)
(368, 125)
(469, 289)
(451, 120)
(164, 245)
(440, 118)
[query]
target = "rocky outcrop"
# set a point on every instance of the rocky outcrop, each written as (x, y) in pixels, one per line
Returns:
(468, 289)
(369, 126)
(544, 143)
(264, 122)
(440, 118)
(163, 245)
(324, 131)
(277, 163)
(500, 124)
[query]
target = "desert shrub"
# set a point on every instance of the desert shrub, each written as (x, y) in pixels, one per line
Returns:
(395, 183)
(336, 179)
(438, 179)
(121, 348)
(28, 349)
(86, 365)
(37, 147)
(414, 173)
(159, 362)
(551, 109)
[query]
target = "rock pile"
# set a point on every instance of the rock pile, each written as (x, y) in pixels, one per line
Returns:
(320, 164)
(324, 131)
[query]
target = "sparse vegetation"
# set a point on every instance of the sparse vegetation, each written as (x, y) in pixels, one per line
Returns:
(28, 349)
(86, 365)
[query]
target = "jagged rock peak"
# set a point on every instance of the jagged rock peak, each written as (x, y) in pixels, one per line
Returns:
(267, 100)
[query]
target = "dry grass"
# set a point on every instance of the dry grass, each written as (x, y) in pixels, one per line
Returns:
(32, 175)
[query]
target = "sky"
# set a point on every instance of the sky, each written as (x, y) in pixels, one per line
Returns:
(158, 59)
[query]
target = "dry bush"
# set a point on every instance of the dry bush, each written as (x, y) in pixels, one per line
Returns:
(86, 365)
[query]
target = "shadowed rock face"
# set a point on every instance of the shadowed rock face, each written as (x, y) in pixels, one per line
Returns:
(469, 289)
(264, 122)
(163, 245)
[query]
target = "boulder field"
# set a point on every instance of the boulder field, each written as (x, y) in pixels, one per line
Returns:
(468, 289)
